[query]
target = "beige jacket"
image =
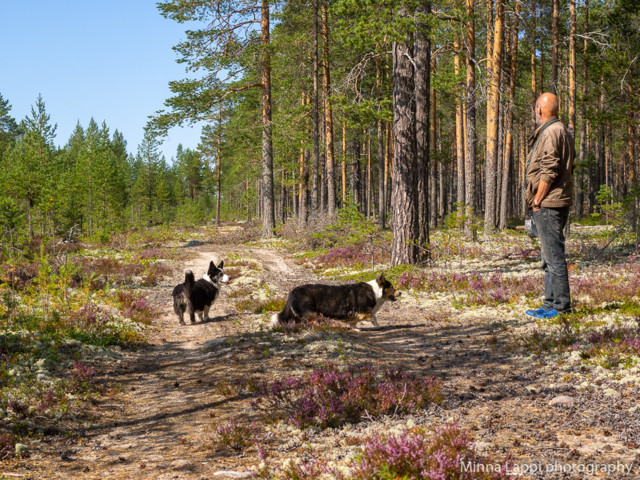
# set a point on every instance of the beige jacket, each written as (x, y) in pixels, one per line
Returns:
(552, 161)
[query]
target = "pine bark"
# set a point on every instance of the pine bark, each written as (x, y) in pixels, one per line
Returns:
(493, 110)
(369, 189)
(268, 217)
(344, 162)
(382, 202)
(303, 195)
(315, 176)
(470, 124)
(555, 39)
(423, 111)
(572, 67)
(405, 175)
(582, 154)
(355, 171)
(431, 164)
(459, 130)
(218, 166)
(508, 147)
(328, 114)
(534, 91)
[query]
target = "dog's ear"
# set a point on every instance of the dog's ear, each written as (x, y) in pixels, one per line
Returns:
(380, 279)
(221, 266)
(212, 265)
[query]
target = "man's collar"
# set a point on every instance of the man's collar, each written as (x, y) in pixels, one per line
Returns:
(541, 126)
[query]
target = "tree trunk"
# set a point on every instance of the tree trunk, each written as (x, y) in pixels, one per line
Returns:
(388, 165)
(442, 185)
(582, 155)
(523, 166)
(534, 91)
(404, 181)
(382, 198)
(541, 84)
(303, 193)
(315, 174)
(490, 36)
(572, 67)
(633, 167)
(431, 164)
(459, 130)
(355, 172)
(508, 147)
(555, 39)
(470, 168)
(424, 174)
(344, 162)
(601, 140)
(493, 110)
(218, 166)
(631, 162)
(268, 217)
(369, 189)
(328, 114)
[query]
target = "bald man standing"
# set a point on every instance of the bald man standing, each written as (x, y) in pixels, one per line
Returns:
(549, 184)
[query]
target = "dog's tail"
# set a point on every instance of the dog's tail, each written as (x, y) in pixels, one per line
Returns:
(276, 320)
(189, 281)
(285, 316)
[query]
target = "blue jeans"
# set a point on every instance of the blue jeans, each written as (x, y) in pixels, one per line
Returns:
(550, 223)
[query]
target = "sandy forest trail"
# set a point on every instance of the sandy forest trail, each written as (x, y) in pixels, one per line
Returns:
(158, 417)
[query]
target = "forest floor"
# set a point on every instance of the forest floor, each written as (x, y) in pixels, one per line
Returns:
(160, 406)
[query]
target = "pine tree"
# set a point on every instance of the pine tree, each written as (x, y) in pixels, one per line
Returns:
(219, 50)
(9, 130)
(30, 170)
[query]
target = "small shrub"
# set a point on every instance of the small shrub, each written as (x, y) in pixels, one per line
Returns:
(320, 324)
(154, 273)
(89, 315)
(353, 256)
(240, 292)
(150, 253)
(135, 307)
(18, 408)
(330, 397)
(415, 455)
(234, 436)
(609, 347)
(82, 378)
(236, 388)
(296, 470)
(257, 306)
(620, 284)
(7, 442)
(233, 273)
(479, 288)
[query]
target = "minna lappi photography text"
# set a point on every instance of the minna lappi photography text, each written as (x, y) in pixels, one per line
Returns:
(553, 468)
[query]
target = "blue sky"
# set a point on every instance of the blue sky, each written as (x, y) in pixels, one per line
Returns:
(110, 60)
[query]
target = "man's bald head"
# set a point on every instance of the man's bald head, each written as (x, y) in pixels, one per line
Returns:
(546, 107)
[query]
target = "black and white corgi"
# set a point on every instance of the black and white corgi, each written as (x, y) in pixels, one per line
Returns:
(198, 297)
(350, 303)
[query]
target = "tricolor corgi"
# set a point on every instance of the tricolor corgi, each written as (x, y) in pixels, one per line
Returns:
(350, 303)
(198, 297)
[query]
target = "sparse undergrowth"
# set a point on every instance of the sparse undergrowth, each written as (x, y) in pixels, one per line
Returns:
(63, 308)
(445, 454)
(607, 346)
(320, 324)
(330, 397)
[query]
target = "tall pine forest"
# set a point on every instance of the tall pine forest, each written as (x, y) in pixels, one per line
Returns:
(418, 114)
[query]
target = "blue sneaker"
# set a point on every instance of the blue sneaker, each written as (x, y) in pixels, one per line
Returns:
(535, 313)
(550, 314)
